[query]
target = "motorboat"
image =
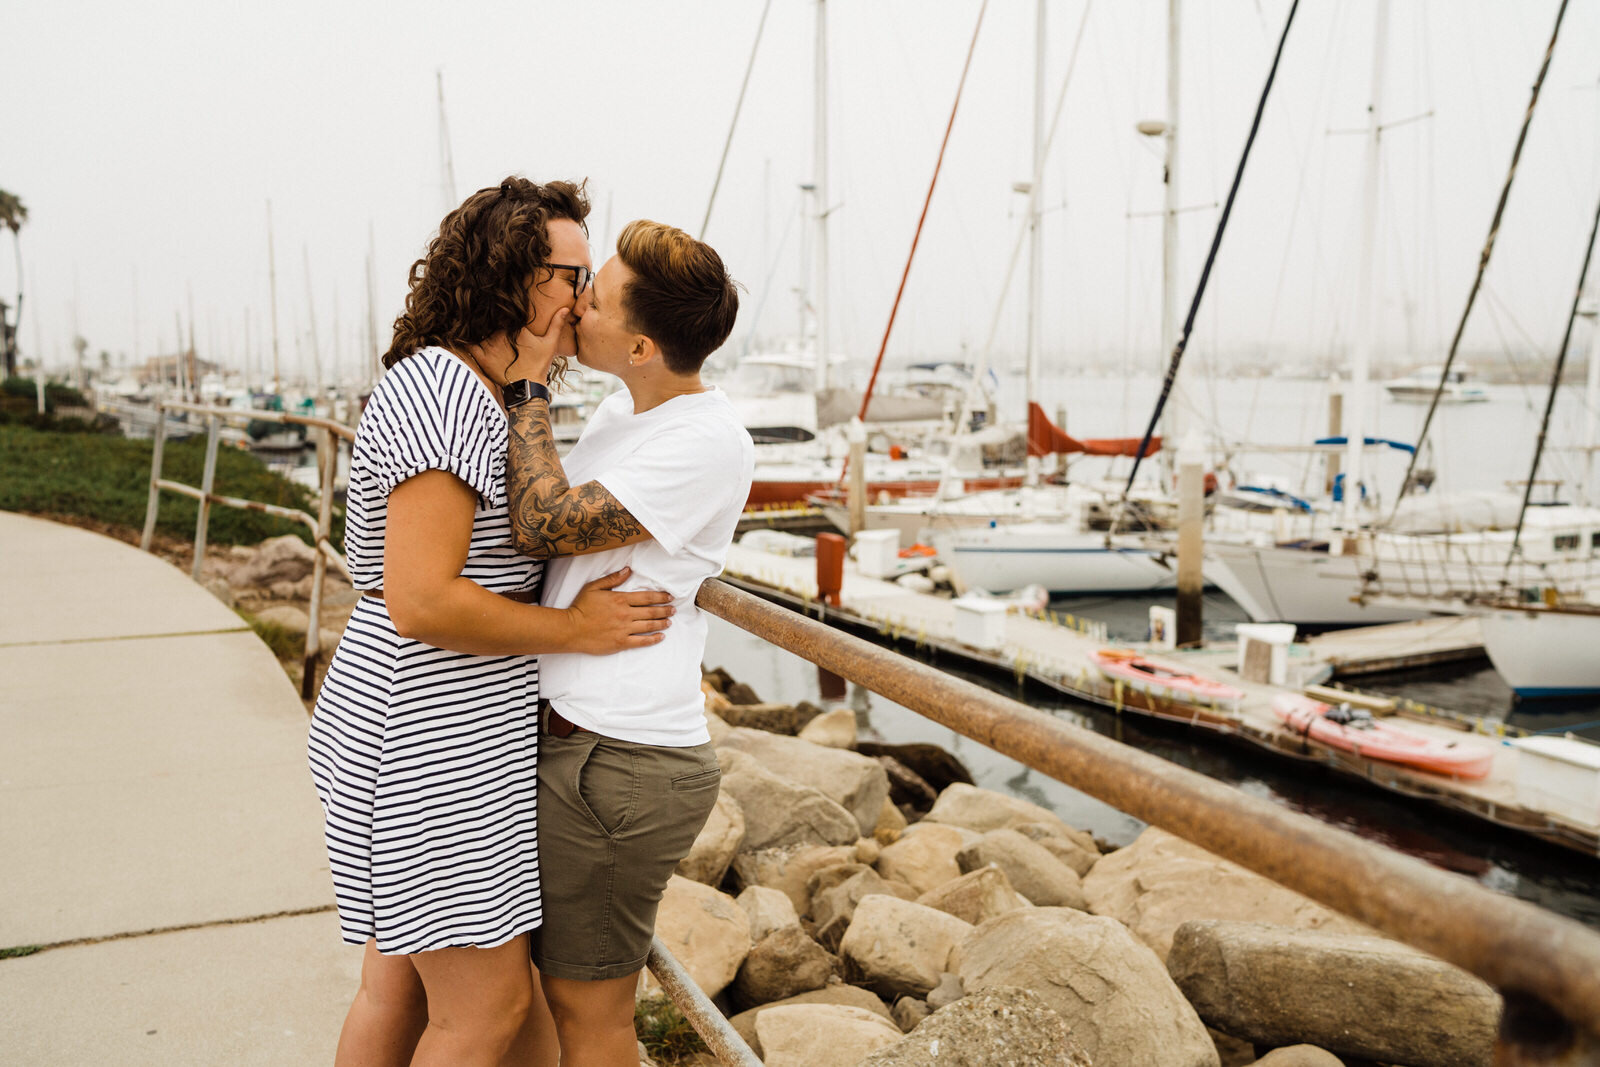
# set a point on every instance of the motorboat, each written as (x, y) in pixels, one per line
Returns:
(1420, 386)
(1354, 730)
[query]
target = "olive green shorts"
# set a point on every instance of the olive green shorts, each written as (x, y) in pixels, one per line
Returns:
(614, 820)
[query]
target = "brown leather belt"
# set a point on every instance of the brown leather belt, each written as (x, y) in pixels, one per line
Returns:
(521, 596)
(555, 724)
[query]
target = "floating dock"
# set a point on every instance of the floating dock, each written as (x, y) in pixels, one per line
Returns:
(1053, 650)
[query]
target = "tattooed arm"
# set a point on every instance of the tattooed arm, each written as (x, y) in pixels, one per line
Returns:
(549, 518)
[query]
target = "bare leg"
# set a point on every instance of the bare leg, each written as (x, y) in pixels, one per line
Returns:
(387, 1015)
(535, 1045)
(477, 1001)
(594, 1020)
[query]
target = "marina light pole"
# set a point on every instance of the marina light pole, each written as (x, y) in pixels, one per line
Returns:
(1035, 254)
(1176, 413)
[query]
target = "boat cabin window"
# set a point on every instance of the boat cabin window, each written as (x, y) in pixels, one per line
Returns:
(1567, 542)
(1594, 540)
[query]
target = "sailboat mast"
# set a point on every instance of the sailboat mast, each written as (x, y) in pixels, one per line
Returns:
(1175, 413)
(1591, 400)
(311, 309)
(1355, 407)
(447, 168)
(372, 311)
(272, 288)
(820, 180)
(1035, 254)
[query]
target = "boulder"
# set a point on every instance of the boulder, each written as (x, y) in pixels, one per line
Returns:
(219, 588)
(1232, 1051)
(853, 781)
(1073, 847)
(782, 964)
(706, 930)
(1161, 881)
(924, 860)
(984, 809)
(1299, 1056)
(644, 1056)
(821, 1035)
(1029, 867)
(277, 559)
(906, 786)
(1000, 1026)
(975, 897)
(716, 726)
(831, 729)
(777, 811)
(833, 993)
(897, 947)
(717, 678)
(739, 693)
(948, 991)
(769, 910)
(788, 870)
(931, 763)
(716, 844)
(1362, 997)
(908, 1012)
(837, 891)
(868, 850)
(1111, 990)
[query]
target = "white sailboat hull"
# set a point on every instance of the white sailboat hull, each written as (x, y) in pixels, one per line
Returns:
(1544, 653)
(1060, 557)
(1295, 585)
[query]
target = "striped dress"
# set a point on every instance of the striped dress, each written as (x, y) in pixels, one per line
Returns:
(424, 759)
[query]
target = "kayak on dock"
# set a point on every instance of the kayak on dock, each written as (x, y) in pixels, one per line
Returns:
(1159, 679)
(1355, 730)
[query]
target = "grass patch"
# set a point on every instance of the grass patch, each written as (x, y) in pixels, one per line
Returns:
(664, 1032)
(108, 479)
(18, 951)
(285, 643)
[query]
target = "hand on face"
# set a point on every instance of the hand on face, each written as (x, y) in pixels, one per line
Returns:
(534, 352)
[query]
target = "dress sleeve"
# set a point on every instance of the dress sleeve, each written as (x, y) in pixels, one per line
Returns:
(431, 413)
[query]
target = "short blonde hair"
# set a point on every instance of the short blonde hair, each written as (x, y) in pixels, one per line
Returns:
(681, 295)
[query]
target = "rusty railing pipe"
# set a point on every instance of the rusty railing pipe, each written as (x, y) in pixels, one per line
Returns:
(712, 1026)
(1522, 950)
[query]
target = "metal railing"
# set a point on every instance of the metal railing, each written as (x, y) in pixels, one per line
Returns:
(1546, 967)
(321, 524)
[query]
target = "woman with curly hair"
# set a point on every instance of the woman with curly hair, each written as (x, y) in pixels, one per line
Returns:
(425, 733)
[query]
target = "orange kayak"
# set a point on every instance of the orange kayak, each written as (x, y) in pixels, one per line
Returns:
(1173, 683)
(1356, 731)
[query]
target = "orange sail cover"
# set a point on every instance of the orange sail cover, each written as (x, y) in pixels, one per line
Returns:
(1045, 437)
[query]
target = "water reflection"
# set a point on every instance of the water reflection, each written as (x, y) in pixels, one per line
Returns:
(1562, 881)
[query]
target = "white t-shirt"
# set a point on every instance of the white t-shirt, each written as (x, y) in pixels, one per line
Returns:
(683, 470)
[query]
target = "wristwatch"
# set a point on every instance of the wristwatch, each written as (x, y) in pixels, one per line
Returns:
(523, 390)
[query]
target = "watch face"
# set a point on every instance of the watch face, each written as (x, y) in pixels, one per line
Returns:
(523, 390)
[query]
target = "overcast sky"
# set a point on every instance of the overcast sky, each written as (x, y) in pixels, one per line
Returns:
(146, 139)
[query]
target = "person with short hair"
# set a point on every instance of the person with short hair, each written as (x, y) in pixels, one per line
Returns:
(656, 483)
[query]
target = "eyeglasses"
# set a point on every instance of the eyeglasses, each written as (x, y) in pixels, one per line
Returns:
(582, 277)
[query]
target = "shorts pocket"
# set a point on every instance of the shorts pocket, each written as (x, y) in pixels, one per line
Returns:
(697, 779)
(607, 786)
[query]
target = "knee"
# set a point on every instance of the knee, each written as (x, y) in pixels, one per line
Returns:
(495, 1015)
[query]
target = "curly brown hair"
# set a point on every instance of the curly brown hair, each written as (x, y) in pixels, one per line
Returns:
(473, 281)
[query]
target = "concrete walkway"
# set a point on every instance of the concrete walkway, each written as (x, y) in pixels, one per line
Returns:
(159, 837)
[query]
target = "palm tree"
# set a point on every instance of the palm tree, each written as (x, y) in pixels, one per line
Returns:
(12, 215)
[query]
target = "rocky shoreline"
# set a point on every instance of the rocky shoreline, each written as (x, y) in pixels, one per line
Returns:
(851, 903)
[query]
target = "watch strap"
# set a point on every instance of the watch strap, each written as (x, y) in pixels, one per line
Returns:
(523, 390)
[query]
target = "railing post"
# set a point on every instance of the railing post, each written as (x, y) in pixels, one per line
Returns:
(207, 478)
(327, 464)
(159, 439)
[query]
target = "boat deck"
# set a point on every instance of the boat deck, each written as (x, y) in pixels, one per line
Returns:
(1399, 646)
(1054, 651)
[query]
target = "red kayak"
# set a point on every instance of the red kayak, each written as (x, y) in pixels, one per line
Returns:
(1159, 679)
(1356, 731)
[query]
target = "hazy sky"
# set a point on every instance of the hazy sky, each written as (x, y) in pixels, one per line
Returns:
(146, 140)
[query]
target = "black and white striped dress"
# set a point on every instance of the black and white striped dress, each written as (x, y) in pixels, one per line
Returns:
(424, 759)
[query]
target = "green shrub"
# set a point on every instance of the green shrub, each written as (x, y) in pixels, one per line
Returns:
(664, 1032)
(108, 478)
(55, 394)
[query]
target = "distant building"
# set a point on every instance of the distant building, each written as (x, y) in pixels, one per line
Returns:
(165, 368)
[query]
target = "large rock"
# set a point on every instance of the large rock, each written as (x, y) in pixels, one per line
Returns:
(277, 559)
(769, 910)
(1364, 997)
(831, 729)
(779, 812)
(789, 869)
(1029, 867)
(924, 860)
(1073, 847)
(782, 964)
(854, 781)
(1112, 990)
(821, 1035)
(834, 993)
(1014, 1027)
(787, 719)
(976, 897)
(837, 891)
(906, 786)
(932, 764)
(1299, 1056)
(706, 930)
(1162, 881)
(891, 824)
(898, 947)
(984, 809)
(716, 844)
